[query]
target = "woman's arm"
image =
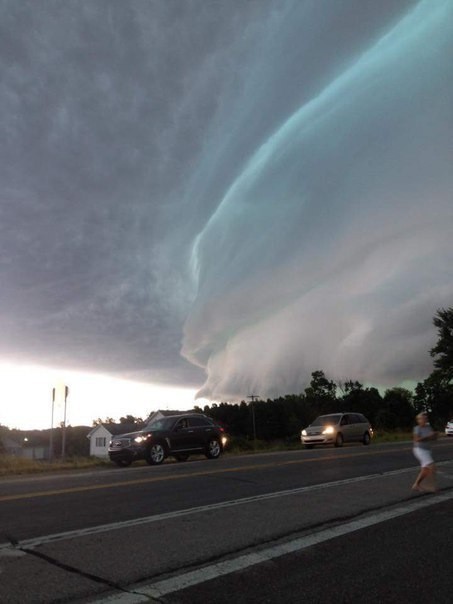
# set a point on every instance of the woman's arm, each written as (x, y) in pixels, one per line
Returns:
(431, 436)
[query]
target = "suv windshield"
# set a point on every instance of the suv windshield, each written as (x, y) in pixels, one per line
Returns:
(165, 423)
(327, 419)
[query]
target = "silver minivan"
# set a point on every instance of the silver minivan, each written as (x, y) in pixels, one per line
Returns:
(337, 428)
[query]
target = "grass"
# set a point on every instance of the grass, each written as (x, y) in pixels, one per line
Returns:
(11, 465)
(390, 437)
(16, 466)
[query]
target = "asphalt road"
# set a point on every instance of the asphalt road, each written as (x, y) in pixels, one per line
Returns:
(321, 525)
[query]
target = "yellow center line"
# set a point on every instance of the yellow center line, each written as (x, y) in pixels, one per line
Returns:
(137, 481)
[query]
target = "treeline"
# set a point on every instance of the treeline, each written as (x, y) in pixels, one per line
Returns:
(76, 441)
(283, 418)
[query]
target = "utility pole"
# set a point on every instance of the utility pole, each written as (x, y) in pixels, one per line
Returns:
(51, 428)
(59, 397)
(63, 425)
(253, 398)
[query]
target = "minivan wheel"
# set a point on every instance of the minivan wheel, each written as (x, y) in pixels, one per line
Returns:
(213, 449)
(366, 439)
(155, 455)
(339, 440)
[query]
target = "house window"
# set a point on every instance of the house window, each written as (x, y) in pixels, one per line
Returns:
(100, 441)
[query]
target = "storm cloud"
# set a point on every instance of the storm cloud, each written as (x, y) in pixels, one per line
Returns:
(226, 195)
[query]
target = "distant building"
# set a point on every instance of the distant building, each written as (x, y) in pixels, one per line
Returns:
(26, 449)
(10, 446)
(35, 452)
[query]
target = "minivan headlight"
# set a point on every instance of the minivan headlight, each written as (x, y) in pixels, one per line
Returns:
(304, 432)
(328, 430)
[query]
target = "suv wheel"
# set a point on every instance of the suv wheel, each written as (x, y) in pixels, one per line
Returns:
(339, 440)
(366, 439)
(155, 454)
(213, 449)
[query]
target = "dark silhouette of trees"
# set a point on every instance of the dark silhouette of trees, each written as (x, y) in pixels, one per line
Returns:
(362, 400)
(443, 350)
(435, 393)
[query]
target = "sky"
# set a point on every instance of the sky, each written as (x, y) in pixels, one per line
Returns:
(200, 201)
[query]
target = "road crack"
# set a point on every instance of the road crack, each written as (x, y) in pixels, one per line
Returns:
(72, 569)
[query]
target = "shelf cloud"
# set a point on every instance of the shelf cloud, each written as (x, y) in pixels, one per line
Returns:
(226, 196)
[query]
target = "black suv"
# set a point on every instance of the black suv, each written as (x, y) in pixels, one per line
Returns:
(177, 435)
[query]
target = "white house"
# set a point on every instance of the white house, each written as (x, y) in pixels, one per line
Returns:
(99, 438)
(101, 434)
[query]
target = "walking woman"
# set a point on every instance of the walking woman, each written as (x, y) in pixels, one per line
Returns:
(423, 436)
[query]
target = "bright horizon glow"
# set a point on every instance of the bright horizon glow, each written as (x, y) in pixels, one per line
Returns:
(26, 394)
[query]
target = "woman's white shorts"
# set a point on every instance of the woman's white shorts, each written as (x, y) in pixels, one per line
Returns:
(424, 456)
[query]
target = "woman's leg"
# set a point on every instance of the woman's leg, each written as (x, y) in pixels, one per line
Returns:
(432, 478)
(424, 472)
(427, 471)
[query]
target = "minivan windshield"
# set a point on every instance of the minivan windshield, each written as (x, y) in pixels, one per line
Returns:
(322, 420)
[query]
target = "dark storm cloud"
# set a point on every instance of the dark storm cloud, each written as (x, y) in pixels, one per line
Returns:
(243, 173)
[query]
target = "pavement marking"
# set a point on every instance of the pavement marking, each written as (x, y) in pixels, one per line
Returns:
(8, 547)
(180, 475)
(189, 579)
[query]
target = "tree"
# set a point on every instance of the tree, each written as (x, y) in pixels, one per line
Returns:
(398, 408)
(107, 420)
(320, 387)
(130, 419)
(436, 397)
(443, 350)
(363, 400)
(349, 386)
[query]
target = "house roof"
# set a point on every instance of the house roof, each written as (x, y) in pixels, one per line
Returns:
(124, 428)
(163, 413)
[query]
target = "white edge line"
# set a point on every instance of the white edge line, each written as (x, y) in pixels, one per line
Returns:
(189, 579)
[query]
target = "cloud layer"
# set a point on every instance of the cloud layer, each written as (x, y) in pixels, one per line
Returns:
(265, 185)
(332, 247)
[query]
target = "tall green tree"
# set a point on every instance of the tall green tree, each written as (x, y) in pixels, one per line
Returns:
(364, 400)
(443, 350)
(398, 408)
(321, 388)
(435, 396)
